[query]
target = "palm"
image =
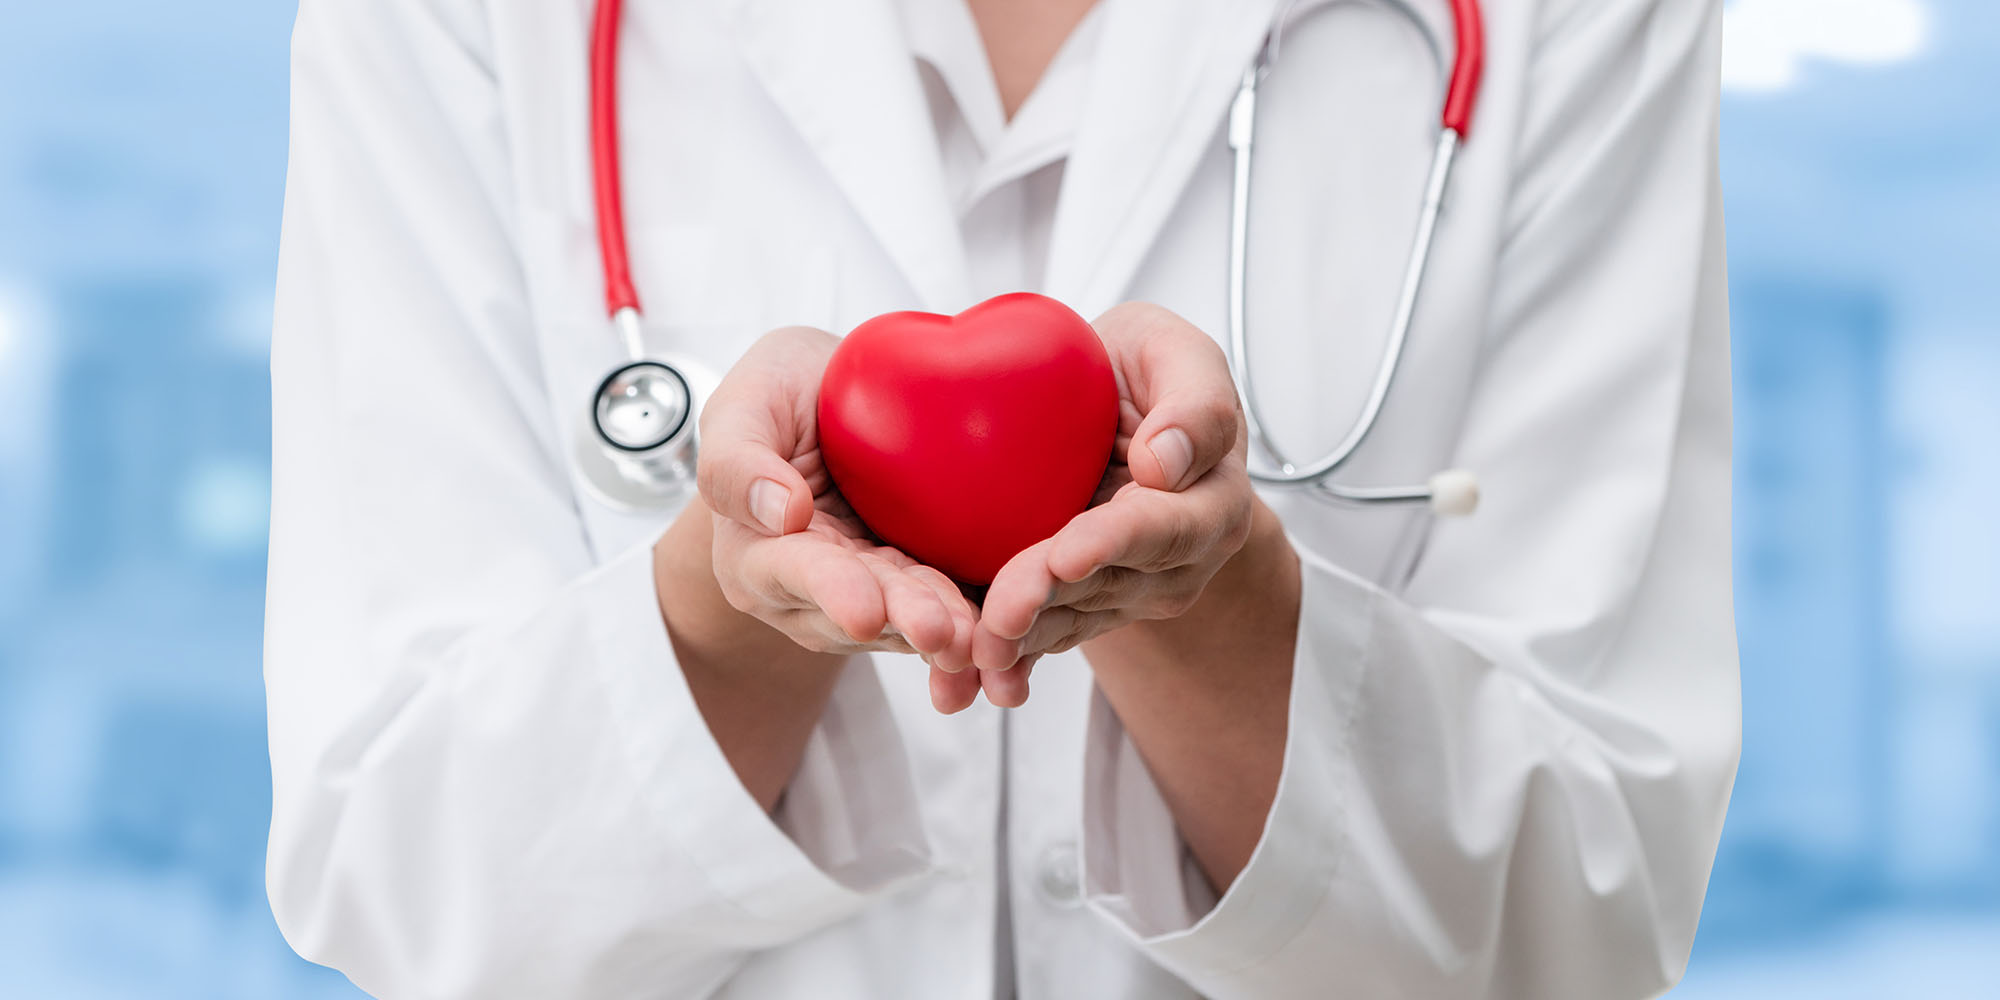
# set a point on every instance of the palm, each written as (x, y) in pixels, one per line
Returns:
(834, 521)
(835, 524)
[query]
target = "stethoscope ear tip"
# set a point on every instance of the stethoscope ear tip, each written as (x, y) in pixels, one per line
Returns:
(1454, 493)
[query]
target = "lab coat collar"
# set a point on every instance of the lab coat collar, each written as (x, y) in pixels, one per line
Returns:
(842, 72)
(1161, 84)
(944, 35)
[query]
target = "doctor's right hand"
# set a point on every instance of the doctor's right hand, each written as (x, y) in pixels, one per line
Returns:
(787, 548)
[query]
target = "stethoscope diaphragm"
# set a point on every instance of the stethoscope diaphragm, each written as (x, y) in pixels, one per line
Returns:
(636, 449)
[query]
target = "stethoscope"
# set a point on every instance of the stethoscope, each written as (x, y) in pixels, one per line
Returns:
(639, 446)
(1451, 492)
(637, 451)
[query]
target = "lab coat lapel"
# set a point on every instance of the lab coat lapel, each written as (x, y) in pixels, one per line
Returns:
(839, 69)
(1162, 81)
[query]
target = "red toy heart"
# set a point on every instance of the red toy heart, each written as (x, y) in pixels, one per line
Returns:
(964, 439)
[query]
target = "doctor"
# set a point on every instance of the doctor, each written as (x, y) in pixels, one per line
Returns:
(526, 745)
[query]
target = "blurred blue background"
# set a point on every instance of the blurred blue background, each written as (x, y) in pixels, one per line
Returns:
(141, 172)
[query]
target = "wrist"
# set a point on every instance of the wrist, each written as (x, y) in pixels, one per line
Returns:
(1264, 572)
(758, 691)
(1206, 697)
(684, 579)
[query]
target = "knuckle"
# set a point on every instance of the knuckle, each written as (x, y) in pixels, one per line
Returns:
(1120, 581)
(1071, 639)
(1137, 313)
(1209, 348)
(797, 335)
(1225, 530)
(1178, 601)
(1100, 601)
(720, 469)
(1236, 532)
(1111, 588)
(742, 598)
(1146, 324)
(1222, 408)
(1182, 546)
(725, 401)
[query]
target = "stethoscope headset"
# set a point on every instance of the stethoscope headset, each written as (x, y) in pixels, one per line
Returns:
(642, 438)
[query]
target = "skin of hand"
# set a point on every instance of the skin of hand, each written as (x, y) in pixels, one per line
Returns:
(752, 604)
(1181, 588)
(1174, 507)
(790, 552)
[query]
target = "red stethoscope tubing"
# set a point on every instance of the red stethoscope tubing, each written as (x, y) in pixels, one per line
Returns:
(619, 292)
(1468, 66)
(1461, 99)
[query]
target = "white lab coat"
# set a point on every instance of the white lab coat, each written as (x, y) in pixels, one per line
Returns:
(1511, 737)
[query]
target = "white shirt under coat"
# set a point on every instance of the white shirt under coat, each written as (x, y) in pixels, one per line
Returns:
(1511, 737)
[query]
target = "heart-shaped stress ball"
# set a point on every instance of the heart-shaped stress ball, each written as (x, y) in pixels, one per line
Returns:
(964, 439)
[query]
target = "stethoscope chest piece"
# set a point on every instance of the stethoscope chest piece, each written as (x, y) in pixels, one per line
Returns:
(636, 449)
(642, 407)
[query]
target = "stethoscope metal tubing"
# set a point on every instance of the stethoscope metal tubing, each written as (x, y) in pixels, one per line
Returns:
(631, 332)
(1414, 272)
(1449, 491)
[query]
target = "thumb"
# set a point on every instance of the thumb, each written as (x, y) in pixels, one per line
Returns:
(1179, 379)
(743, 474)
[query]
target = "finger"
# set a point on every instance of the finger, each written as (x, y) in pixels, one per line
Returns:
(1109, 588)
(1142, 529)
(811, 629)
(953, 692)
(991, 652)
(1008, 688)
(1062, 629)
(756, 420)
(842, 587)
(752, 566)
(956, 656)
(1179, 379)
(1020, 590)
(751, 484)
(913, 609)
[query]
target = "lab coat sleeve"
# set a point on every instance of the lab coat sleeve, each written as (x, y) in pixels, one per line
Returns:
(489, 777)
(1509, 779)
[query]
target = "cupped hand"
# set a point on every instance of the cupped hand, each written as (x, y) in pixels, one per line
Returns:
(790, 552)
(1175, 505)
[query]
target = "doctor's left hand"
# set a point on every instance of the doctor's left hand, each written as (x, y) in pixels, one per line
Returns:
(788, 550)
(1174, 507)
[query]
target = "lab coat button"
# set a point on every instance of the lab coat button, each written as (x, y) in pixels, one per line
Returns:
(1058, 875)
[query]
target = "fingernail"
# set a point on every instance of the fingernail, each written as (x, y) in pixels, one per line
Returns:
(1175, 453)
(767, 504)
